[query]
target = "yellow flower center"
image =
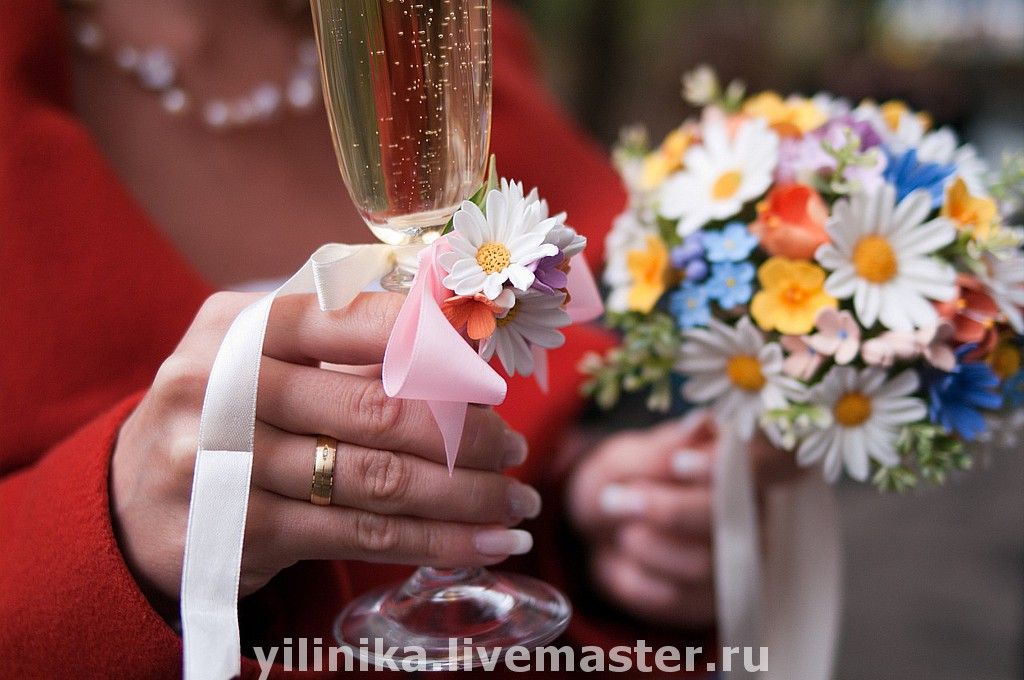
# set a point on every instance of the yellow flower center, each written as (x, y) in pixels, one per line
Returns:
(508, 318)
(852, 409)
(795, 295)
(1006, 361)
(726, 186)
(874, 259)
(745, 372)
(493, 257)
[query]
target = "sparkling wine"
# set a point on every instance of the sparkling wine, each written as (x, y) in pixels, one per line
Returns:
(408, 91)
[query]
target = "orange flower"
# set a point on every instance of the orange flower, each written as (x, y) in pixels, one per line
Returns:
(973, 314)
(475, 313)
(791, 221)
(976, 212)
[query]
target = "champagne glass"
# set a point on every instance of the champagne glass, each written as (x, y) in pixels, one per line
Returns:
(407, 84)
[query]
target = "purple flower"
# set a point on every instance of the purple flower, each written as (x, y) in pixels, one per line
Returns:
(802, 159)
(692, 248)
(548, 277)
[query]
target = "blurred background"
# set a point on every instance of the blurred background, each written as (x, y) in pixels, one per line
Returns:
(934, 579)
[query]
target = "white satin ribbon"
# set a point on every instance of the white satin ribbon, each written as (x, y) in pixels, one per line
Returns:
(220, 487)
(789, 601)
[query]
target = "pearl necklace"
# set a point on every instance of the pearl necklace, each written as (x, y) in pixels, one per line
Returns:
(155, 70)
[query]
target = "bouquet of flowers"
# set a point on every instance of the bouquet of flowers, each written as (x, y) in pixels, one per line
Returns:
(506, 265)
(839, 277)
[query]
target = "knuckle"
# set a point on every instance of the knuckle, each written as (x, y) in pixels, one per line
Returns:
(376, 534)
(180, 378)
(181, 453)
(378, 411)
(386, 476)
(218, 306)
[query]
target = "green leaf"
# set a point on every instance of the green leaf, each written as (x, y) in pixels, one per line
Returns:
(479, 196)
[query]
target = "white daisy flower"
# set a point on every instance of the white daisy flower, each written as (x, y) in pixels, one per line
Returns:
(739, 372)
(564, 237)
(720, 174)
(867, 416)
(534, 320)
(488, 251)
(628, 233)
(880, 255)
(1004, 281)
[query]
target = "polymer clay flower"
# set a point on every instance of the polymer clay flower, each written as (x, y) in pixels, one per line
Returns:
(730, 283)
(802, 361)
(958, 397)
(838, 335)
(533, 321)
(1004, 281)
(973, 314)
(791, 296)
(881, 255)
(488, 251)
(689, 305)
(790, 117)
(734, 243)
(977, 213)
(720, 175)
(737, 370)
(649, 269)
(476, 313)
(791, 221)
(868, 413)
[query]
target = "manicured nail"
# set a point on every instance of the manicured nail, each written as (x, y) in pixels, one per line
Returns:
(523, 501)
(621, 501)
(496, 542)
(689, 464)
(515, 449)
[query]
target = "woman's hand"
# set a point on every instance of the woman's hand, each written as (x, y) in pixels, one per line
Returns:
(393, 500)
(643, 499)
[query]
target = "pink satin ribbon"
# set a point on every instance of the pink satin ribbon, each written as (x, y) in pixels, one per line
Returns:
(428, 359)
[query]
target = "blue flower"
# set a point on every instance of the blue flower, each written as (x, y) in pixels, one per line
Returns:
(906, 173)
(730, 283)
(689, 304)
(1013, 390)
(732, 244)
(957, 397)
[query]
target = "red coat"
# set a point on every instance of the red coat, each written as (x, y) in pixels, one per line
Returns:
(93, 297)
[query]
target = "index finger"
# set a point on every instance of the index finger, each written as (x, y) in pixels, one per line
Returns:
(299, 332)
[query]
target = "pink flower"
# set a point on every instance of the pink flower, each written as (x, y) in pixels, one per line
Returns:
(935, 344)
(889, 347)
(802, 361)
(838, 336)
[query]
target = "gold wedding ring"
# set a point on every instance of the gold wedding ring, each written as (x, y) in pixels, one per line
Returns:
(323, 470)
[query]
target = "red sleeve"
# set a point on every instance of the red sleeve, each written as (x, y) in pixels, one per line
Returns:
(64, 581)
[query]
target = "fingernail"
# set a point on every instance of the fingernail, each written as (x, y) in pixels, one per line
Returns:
(689, 464)
(621, 501)
(523, 500)
(495, 542)
(515, 449)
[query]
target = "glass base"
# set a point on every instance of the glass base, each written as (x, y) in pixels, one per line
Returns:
(436, 610)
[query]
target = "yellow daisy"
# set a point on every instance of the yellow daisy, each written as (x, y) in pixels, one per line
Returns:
(792, 295)
(649, 269)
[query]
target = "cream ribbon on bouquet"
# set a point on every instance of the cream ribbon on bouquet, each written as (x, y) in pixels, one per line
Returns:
(220, 487)
(788, 601)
